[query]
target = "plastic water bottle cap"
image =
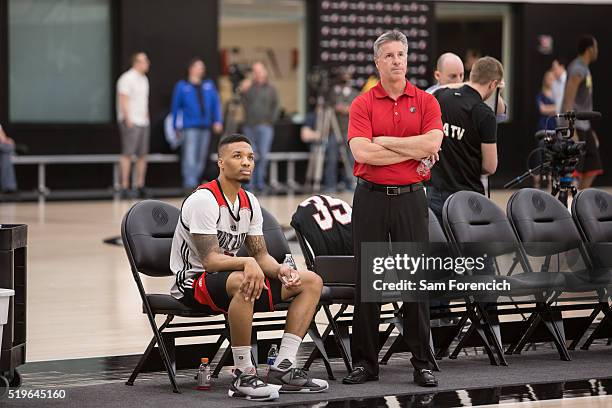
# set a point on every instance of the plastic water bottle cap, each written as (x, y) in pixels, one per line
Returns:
(204, 360)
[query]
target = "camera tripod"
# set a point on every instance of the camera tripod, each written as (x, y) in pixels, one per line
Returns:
(327, 125)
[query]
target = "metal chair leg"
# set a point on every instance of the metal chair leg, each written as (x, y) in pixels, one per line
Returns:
(552, 326)
(527, 335)
(141, 362)
(607, 318)
(446, 343)
(163, 352)
(529, 322)
(315, 352)
(475, 327)
(340, 337)
(462, 342)
(492, 335)
(313, 332)
(590, 320)
(392, 349)
(221, 363)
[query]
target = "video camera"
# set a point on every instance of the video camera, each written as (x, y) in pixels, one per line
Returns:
(237, 73)
(319, 81)
(558, 148)
(559, 155)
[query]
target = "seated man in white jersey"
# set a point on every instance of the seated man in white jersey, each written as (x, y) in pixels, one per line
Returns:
(216, 220)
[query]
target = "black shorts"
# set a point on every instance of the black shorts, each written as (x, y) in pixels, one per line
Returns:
(209, 292)
(590, 163)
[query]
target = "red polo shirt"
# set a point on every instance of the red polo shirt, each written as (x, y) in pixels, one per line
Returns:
(375, 113)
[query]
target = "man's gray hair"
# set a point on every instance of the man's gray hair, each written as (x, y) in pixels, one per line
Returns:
(388, 37)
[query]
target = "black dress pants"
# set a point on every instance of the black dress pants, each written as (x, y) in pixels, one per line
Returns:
(376, 218)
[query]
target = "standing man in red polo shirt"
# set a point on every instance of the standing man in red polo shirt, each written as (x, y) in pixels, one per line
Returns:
(393, 128)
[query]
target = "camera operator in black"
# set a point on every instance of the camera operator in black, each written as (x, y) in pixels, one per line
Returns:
(469, 148)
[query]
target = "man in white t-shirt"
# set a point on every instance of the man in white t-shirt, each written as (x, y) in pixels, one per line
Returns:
(133, 117)
(216, 220)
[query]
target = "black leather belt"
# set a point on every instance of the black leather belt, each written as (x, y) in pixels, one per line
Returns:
(390, 190)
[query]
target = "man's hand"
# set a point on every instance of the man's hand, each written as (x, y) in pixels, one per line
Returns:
(434, 158)
(128, 123)
(288, 276)
(217, 128)
(253, 282)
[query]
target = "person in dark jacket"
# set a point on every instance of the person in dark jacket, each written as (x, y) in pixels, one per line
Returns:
(198, 101)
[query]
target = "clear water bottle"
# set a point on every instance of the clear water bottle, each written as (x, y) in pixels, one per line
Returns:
(424, 167)
(272, 354)
(289, 261)
(204, 375)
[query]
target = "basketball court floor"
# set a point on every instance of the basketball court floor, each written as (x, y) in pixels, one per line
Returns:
(82, 302)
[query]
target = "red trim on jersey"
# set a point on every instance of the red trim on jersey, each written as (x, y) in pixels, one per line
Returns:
(214, 188)
(243, 200)
(270, 301)
(200, 293)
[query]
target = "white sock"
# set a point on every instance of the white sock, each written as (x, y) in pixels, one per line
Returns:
(288, 351)
(242, 358)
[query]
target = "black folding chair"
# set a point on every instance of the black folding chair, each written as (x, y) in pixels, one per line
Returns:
(470, 218)
(546, 230)
(337, 273)
(147, 230)
(592, 213)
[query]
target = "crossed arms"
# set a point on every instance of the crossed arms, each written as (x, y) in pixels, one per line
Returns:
(386, 150)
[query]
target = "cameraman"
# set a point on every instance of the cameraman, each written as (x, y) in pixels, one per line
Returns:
(469, 148)
(261, 108)
(341, 96)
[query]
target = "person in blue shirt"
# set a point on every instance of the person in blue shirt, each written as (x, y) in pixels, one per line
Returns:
(545, 103)
(198, 101)
(546, 107)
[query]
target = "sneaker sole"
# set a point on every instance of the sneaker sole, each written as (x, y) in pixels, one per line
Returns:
(238, 394)
(302, 390)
